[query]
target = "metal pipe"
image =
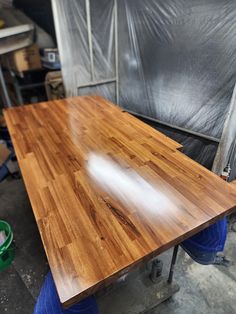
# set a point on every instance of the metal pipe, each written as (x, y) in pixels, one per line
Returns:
(18, 92)
(101, 82)
(211, 138)
(172, 266)
(90, 39)
(4, 89)
(29, 86)
(116, 52)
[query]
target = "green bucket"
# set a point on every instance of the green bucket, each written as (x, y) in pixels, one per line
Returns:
(7, 249)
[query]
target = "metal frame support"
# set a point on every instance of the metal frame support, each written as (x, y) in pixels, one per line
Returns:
(91, 56)
(101, 82)
(19, 97)
(4, 89)
(9, 38)
(210, 138)
(90, 38)
(172, 265)
(116, 52)
(227, 143)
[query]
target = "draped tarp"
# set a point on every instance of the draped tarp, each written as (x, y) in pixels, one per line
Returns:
(177, 62)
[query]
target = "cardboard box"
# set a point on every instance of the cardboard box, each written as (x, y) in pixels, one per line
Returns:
(24, 59)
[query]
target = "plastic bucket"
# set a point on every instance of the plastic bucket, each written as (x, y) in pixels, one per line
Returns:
(7, 249)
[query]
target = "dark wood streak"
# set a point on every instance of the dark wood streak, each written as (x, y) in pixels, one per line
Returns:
(124, 220)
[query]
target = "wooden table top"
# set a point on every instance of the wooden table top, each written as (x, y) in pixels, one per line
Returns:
(107, 191)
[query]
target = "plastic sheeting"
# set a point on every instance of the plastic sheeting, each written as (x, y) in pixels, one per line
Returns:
(176, 62)
(227, 146)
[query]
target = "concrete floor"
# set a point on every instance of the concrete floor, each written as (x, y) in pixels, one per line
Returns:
(203, 289)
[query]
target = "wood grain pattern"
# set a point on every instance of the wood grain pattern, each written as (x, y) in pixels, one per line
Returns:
(233, 183)
(107, 190)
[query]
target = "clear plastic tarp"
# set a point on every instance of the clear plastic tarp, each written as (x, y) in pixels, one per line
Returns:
(176, 63)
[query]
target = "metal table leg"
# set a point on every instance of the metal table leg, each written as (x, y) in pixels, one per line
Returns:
(172, 266)
(4, 88)
(17, 88)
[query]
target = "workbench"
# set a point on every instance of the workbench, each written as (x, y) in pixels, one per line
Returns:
(108, 192)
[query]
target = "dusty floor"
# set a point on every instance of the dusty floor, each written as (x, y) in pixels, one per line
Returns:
(203, 289)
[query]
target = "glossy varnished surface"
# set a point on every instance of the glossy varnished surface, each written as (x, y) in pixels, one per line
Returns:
(107, 190)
